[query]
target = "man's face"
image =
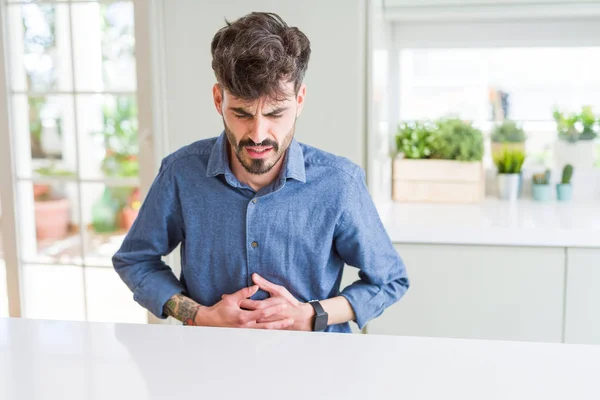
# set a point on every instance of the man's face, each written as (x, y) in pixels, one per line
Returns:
(259, 132)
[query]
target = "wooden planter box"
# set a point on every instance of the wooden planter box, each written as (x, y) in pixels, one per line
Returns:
(438, 181)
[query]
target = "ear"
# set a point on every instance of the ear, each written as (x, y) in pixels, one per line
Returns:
(300, 99)
(218, 98)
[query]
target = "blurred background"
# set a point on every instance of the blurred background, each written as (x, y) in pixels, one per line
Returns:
(476, 121)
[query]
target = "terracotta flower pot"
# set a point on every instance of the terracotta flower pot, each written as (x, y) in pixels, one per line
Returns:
(40, 190)
(129, 216)
(52, 219)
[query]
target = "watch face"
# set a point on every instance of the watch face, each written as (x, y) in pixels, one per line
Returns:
(320, 322)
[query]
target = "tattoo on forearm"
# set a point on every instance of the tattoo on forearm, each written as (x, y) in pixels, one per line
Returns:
(182, 308)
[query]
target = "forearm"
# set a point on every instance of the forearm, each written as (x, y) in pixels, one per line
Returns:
(183, 309)
(338, 309)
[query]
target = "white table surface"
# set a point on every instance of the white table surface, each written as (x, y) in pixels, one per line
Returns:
(494, 222)
(76, 361)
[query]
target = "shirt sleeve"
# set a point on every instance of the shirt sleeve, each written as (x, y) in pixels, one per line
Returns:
(157, 230)
(362, 242)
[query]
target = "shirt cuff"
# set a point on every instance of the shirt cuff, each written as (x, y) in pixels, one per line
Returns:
(366, 301)
(156, 289)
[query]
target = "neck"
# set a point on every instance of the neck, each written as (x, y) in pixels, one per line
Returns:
(256, 182)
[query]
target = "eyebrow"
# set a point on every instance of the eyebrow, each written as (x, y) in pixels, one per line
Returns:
(240, 110)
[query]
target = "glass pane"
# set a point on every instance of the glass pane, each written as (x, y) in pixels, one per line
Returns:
(3, 290)
(490, 84)
(108, 129)
(49, 223)
(39, 47)
(109, 213)
(109, 299)
(53, 292)
(437, 82)
(44, 130)
(104, 46)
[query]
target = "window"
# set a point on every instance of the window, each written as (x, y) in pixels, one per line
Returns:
(528, 81)
(74, 121)
(3, 287)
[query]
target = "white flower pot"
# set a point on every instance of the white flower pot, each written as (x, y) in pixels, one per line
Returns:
(579, 154)
(509, 186)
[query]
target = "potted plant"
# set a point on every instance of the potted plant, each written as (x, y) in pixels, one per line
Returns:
(120, 141)
(52, 213)
(439, 162)
(564, 189)
(541, 186)
(509, 166)
(457, 140)
(52, 208)
(507, 135)
(415, 139)
(576, 134)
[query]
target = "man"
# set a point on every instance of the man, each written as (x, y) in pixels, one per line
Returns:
(265, 223)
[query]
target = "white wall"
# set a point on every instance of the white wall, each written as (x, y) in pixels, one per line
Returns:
(447, 10)
(424, 3)
(334, 116)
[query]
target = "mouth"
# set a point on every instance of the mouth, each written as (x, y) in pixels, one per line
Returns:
(258, 152)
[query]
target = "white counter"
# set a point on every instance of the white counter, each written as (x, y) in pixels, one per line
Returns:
(494, 222)
(81, 361)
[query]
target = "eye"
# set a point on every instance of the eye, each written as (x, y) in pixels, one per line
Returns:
(241, 116)
(275, 116)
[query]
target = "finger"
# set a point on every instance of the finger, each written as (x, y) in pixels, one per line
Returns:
(244, 293)
(281, 324)
(273, 289)
(272, 318)
(250, 304)
(266, 285)
(250, 317)
(267, 312)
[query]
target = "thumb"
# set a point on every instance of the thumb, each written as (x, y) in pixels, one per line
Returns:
(245, 293)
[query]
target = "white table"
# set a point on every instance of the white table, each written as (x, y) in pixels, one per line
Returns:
(76, 361)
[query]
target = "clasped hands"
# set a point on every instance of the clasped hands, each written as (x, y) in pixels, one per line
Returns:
(280, 311)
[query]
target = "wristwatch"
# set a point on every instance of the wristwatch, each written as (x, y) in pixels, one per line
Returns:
(320, 321)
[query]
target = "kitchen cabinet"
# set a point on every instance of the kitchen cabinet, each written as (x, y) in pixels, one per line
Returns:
(582, 319)
(479, 292)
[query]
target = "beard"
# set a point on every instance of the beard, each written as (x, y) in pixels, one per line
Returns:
(262, 165)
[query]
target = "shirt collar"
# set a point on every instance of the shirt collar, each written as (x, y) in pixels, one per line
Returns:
(293, 167)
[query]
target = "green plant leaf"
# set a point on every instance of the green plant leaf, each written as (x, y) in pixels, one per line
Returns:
(457, 140)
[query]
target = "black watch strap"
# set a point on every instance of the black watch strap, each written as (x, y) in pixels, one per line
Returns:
(320, 322)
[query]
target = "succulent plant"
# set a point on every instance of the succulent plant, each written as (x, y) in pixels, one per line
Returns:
(542, 178)
(567, 174)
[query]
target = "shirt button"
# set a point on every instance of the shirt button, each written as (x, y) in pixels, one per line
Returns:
(254, 244)
(255, 201)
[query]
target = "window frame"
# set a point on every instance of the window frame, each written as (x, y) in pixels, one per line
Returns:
(8, 172)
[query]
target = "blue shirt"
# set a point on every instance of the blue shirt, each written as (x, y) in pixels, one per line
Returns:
(297, 232)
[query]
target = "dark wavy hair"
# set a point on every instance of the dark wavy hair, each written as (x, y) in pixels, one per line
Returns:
(253, 56)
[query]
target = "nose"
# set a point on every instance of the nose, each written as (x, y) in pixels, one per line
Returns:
(259, 130)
